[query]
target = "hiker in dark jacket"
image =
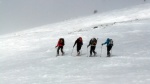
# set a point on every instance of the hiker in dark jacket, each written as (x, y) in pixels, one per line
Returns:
(60, 45)
(109, 43)
(92, 43)
(79, 43)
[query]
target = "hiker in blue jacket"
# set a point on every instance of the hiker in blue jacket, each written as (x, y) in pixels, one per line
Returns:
(109, 43)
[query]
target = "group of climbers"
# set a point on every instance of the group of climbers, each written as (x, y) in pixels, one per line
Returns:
(79, 43)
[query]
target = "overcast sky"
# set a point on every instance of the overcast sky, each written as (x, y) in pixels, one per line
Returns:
(16, 15)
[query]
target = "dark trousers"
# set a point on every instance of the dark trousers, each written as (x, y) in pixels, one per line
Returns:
(92, 50)
(60, 47)
(78, 48)
(108, 50)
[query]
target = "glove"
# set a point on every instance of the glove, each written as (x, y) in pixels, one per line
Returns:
(102, 44)
(87, 46)
(55, 46)
(73, 46)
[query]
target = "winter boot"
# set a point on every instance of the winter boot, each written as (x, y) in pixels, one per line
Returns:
(95, 53)
(108, 55)
(78, 54)
(90, 55)
(63, 53)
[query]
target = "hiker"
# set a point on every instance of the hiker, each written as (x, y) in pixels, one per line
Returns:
(92, 43)
(79, 43)
(109, 43)
(60, 45)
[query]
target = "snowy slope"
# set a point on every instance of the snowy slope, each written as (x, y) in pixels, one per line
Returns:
(29, 57)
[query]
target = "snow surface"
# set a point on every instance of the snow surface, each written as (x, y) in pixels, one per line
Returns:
(29, 57)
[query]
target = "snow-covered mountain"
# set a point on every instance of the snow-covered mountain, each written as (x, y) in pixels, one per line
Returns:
(29, 57)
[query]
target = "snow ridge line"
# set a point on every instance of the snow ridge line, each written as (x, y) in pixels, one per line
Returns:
(106, 25)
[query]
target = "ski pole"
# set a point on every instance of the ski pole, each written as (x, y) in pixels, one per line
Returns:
(56, 51)
(111, 52)
(101, 51)
(87, 51)
(72, 51)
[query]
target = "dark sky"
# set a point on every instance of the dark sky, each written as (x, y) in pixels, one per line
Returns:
(16, 15)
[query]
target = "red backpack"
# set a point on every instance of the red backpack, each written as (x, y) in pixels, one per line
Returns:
(61, 40)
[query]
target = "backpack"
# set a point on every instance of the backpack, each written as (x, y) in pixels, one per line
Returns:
(93, 41)
(110, 42)
(63, 42)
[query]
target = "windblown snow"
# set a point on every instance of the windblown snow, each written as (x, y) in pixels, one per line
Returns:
(29, 57)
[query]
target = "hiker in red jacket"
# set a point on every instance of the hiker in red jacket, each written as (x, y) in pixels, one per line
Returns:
(60, 45)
